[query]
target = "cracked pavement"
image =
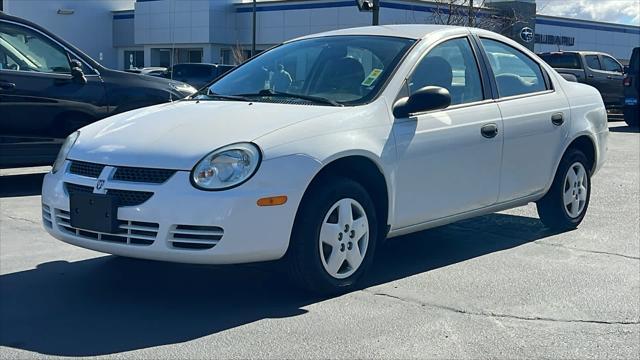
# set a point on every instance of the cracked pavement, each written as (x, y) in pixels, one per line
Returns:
(498, 286)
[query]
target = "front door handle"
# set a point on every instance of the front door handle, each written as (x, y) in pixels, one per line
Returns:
(4, 85)
(557, 119)
(489, 131)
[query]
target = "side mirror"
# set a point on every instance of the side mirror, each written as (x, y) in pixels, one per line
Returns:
(425, 99)
(76, 72)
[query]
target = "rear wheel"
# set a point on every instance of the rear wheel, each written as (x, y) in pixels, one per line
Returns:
(334, 237)
(566, 203)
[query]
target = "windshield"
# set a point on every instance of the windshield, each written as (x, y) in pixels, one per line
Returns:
(343, 70)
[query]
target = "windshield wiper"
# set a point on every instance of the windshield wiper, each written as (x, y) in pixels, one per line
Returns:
(221, 96)
(316, 99)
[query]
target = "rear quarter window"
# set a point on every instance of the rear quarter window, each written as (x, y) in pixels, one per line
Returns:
(562, 61)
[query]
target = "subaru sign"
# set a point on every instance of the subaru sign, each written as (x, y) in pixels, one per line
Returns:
(526, 34)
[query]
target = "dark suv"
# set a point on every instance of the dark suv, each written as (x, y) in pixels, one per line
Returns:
(597, 69)
(49, 88)
(197, 75)
(632, 89)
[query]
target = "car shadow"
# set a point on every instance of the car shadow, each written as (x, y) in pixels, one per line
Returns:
(625, 129)
(109, 304)
(21, 185)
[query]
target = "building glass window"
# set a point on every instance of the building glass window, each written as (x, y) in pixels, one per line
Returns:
(133, 59)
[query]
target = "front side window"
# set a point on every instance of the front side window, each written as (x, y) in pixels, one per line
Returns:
(611, 65)
(450, 65)
(26, 50)
(347, 70)
(593, 62)
(515, 72)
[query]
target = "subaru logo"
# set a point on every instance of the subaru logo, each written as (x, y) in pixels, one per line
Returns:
(526, 34)
(100, 184)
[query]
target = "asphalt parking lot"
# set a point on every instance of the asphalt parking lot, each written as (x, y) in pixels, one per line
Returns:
(499, 286)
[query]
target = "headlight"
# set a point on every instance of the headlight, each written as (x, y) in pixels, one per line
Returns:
(226, 167)
(64, 151)
(183, 88)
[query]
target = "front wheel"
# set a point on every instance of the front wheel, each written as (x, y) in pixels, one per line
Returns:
(334, 237)
(566, 203)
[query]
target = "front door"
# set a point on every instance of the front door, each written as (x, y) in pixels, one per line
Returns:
(40, 102)
(446, 165)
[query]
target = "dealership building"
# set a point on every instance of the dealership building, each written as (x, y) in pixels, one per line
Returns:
(129, 33)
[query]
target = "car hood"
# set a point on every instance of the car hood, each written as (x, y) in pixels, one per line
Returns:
(179, 134)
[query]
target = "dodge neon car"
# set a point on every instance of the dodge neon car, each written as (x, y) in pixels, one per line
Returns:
(319, 149)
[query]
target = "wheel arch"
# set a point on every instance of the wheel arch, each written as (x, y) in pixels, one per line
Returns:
(583, 142)
(366, 171)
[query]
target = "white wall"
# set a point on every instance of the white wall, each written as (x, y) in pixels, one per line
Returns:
(89, 28)
(613, 41)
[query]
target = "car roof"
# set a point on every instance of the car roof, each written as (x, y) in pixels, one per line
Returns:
(409, 31)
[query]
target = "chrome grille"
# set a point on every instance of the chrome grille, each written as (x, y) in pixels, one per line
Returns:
(129, 232)
(122, 197)
(144, 175)
(86, 169)
(195, 237)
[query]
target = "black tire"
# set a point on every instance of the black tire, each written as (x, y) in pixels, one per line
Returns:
(631, 117)
(551, 207)
(303, 256)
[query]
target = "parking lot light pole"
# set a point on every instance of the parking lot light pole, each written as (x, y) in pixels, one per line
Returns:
(253, 41)
(376, 12)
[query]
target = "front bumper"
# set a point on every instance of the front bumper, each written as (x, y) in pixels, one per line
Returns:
(244, 231)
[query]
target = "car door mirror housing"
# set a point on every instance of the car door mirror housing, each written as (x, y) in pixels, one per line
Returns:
(425, 99)
(78, 75)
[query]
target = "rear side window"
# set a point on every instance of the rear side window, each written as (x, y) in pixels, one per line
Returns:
(562, 61)
(611, 65)
(514, 71)
(593, 62)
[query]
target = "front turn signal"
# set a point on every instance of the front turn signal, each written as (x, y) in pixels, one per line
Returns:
(272, 201)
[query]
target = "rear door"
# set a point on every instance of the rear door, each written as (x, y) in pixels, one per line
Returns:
(614, 77)
(40, 101)
(595, 76)
(535, 120)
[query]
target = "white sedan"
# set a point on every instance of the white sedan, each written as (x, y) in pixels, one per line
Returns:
(319, 149)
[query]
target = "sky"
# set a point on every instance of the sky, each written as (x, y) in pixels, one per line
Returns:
(616, 11)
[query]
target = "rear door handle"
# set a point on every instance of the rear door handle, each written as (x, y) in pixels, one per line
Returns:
(609, 77)
(557, 119)
(4, 85)
(489, 130)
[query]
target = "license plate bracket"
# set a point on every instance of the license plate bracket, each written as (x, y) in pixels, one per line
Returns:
(93, 212)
